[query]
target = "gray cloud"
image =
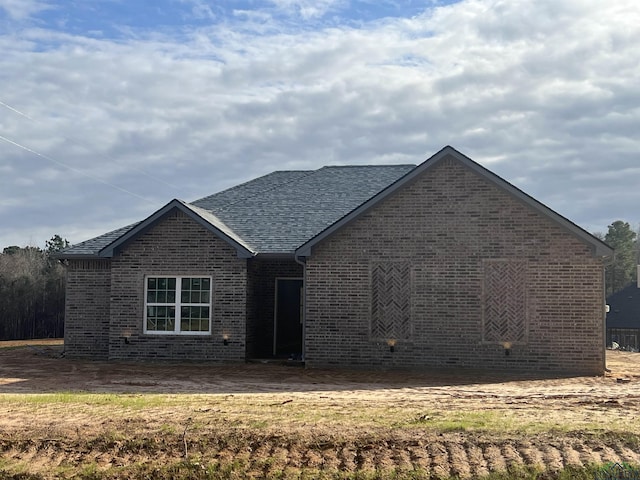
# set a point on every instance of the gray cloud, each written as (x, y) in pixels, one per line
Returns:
(543, 93)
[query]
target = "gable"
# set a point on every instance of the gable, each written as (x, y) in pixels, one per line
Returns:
(202, 217)
(449, 154)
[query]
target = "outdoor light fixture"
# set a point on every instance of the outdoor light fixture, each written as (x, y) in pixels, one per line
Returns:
(392, 344)
(507, 348)
(225, 339)
(126, 340)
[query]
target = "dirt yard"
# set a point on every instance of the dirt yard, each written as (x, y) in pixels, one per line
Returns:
(59, 417)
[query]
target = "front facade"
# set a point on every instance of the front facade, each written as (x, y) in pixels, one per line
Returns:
(444, 264)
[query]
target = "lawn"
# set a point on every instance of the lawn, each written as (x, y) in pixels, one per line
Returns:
(63, 418)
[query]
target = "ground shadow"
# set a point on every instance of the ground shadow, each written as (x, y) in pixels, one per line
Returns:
(31, 369)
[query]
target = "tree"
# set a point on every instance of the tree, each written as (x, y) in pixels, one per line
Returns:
(56, 244)
(623, 268)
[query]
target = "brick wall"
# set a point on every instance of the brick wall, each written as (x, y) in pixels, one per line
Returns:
(448, 224)
(261, 298)
(178, 246)
(86, 325)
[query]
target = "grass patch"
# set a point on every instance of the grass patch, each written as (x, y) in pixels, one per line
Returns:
(134, 401)
(268, 411)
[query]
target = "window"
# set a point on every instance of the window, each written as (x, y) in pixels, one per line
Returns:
(178, 305)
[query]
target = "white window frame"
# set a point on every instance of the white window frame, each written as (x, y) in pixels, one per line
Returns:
(177, 304)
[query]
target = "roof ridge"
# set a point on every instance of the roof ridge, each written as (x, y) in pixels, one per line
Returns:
(368, 165)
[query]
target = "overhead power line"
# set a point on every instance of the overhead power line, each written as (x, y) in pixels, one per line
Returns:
(14, 110)
(75, 142)
(80, 172)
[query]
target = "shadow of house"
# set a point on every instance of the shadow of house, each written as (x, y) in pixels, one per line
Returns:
(623, 318)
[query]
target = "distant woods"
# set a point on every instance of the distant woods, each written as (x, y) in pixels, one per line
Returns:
(32, 288)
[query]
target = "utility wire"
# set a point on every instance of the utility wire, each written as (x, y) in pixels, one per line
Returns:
(71, 140)
(14, 110)
(51, 159)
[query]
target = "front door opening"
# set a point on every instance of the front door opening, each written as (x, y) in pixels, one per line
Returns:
(287, 338)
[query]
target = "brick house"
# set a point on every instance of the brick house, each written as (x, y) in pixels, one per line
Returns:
(443, 264)
(623, 318)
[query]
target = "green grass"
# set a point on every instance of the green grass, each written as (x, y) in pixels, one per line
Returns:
(135, 401)
(265, 412)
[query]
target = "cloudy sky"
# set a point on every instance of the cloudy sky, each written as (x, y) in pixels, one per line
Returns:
(111, 108)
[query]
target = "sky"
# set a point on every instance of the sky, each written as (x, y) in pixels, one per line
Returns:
(109, 109)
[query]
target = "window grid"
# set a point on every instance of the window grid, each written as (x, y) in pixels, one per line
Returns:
(178, 305)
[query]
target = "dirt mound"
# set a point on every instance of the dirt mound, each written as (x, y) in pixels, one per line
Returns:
(260, 455)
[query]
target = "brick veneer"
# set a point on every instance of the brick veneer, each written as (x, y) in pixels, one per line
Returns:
(177, 245)
(446, 223)
(86, 325)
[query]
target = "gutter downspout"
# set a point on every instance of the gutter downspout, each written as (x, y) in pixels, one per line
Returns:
(607, 260)
(303, 261)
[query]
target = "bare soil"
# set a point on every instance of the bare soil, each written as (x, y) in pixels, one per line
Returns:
(60, 417)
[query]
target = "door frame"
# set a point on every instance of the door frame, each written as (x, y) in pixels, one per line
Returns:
(275, 312)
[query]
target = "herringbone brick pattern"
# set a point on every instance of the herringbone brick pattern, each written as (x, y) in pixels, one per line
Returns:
(505, 309)
(390, 300)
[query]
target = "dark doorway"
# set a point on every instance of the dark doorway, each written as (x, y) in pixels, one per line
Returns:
(288, 318)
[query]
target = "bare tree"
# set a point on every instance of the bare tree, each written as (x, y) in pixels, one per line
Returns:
(32, 292)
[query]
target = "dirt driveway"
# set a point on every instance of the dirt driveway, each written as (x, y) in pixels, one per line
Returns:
(325, 419)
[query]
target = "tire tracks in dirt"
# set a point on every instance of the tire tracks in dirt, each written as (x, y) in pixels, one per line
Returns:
(463, 455)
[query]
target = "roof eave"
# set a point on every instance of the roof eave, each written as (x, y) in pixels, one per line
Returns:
(75, 256)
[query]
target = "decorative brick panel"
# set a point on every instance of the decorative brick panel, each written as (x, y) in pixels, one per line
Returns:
(391, 301)
(505, 301)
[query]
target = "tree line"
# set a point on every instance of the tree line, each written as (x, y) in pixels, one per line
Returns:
(32, 291)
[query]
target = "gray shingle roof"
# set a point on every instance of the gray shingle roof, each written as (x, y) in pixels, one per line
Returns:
(280, 211)
(279, 217)
(90, 248)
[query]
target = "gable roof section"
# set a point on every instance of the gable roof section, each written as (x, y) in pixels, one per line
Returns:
(287, 212)
(279, 212)
(599, 247)
(204, 218)
(272, 214)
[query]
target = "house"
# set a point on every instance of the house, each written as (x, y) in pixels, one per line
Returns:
(623, 318)
(440, 264)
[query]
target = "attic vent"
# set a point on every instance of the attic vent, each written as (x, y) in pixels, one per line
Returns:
(391, 301)
(505, 301)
